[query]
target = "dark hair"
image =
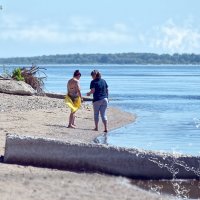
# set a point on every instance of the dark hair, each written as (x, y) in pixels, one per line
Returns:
(77, 73)
(94, 73)
(98, 75)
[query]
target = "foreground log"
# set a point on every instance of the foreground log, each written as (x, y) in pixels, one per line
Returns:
(98, 158)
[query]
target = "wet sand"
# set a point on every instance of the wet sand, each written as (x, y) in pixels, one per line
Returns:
(183, 189)
(48, 117)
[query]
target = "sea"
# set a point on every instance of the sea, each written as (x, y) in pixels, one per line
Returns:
(165, 100)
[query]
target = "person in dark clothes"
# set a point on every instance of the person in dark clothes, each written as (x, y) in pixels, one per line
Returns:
(99, 89)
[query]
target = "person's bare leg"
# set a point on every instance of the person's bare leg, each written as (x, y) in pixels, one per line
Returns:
(105, 122)
(103, 108)
(71, 118)
(96, 107)
(96, 125)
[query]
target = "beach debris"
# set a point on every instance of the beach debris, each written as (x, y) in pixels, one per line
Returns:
(30, 75)
(16, 87)
(132, 163)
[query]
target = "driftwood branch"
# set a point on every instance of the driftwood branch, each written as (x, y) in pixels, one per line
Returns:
(29, 75)
(4, 78)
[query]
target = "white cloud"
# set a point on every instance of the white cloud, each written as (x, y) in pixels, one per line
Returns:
(32, 34)
(103, 36)
(142, 38)
(77, 30)
(176, 38)
(10, 21)
(85, 32)
(78, 23)
(121, 27)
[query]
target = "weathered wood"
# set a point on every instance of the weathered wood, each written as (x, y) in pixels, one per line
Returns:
(62, 96)
(131, 163)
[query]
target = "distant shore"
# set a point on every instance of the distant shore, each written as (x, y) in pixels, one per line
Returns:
(110, 58)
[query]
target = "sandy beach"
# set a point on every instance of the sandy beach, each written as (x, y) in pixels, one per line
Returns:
(48, 117)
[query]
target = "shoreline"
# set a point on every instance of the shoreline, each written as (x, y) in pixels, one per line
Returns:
(47, 117)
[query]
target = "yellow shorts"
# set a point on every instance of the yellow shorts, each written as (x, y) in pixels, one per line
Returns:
(73, 103)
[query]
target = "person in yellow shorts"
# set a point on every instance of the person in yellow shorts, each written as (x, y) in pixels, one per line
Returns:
(73, 98)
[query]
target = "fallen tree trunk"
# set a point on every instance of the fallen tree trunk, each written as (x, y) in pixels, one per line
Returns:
(62, 96)
(132, 163)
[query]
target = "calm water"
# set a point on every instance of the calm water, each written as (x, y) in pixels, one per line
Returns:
(166, 100)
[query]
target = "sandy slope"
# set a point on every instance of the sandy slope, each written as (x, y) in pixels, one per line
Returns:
(47, 117)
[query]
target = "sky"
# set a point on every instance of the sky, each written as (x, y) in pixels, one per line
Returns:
(48, 27)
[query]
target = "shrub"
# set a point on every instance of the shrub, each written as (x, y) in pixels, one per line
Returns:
(17, 74)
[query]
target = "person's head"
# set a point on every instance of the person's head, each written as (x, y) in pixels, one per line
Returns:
(95, 74)
(77, 74)
(98, 75)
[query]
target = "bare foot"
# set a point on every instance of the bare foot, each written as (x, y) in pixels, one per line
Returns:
(95, 129)
(71, 126)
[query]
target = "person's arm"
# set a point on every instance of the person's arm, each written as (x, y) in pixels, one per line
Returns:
(106, 88)
(107, 91)
(79, 91)
(80, 96)
(92, 90)
(67, 87)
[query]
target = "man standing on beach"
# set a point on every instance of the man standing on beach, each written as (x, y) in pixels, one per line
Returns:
(73, 98)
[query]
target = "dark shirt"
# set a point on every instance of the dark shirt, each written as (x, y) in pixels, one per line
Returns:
(101, 89)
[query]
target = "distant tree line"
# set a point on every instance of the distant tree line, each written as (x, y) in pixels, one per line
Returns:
(117, 58)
